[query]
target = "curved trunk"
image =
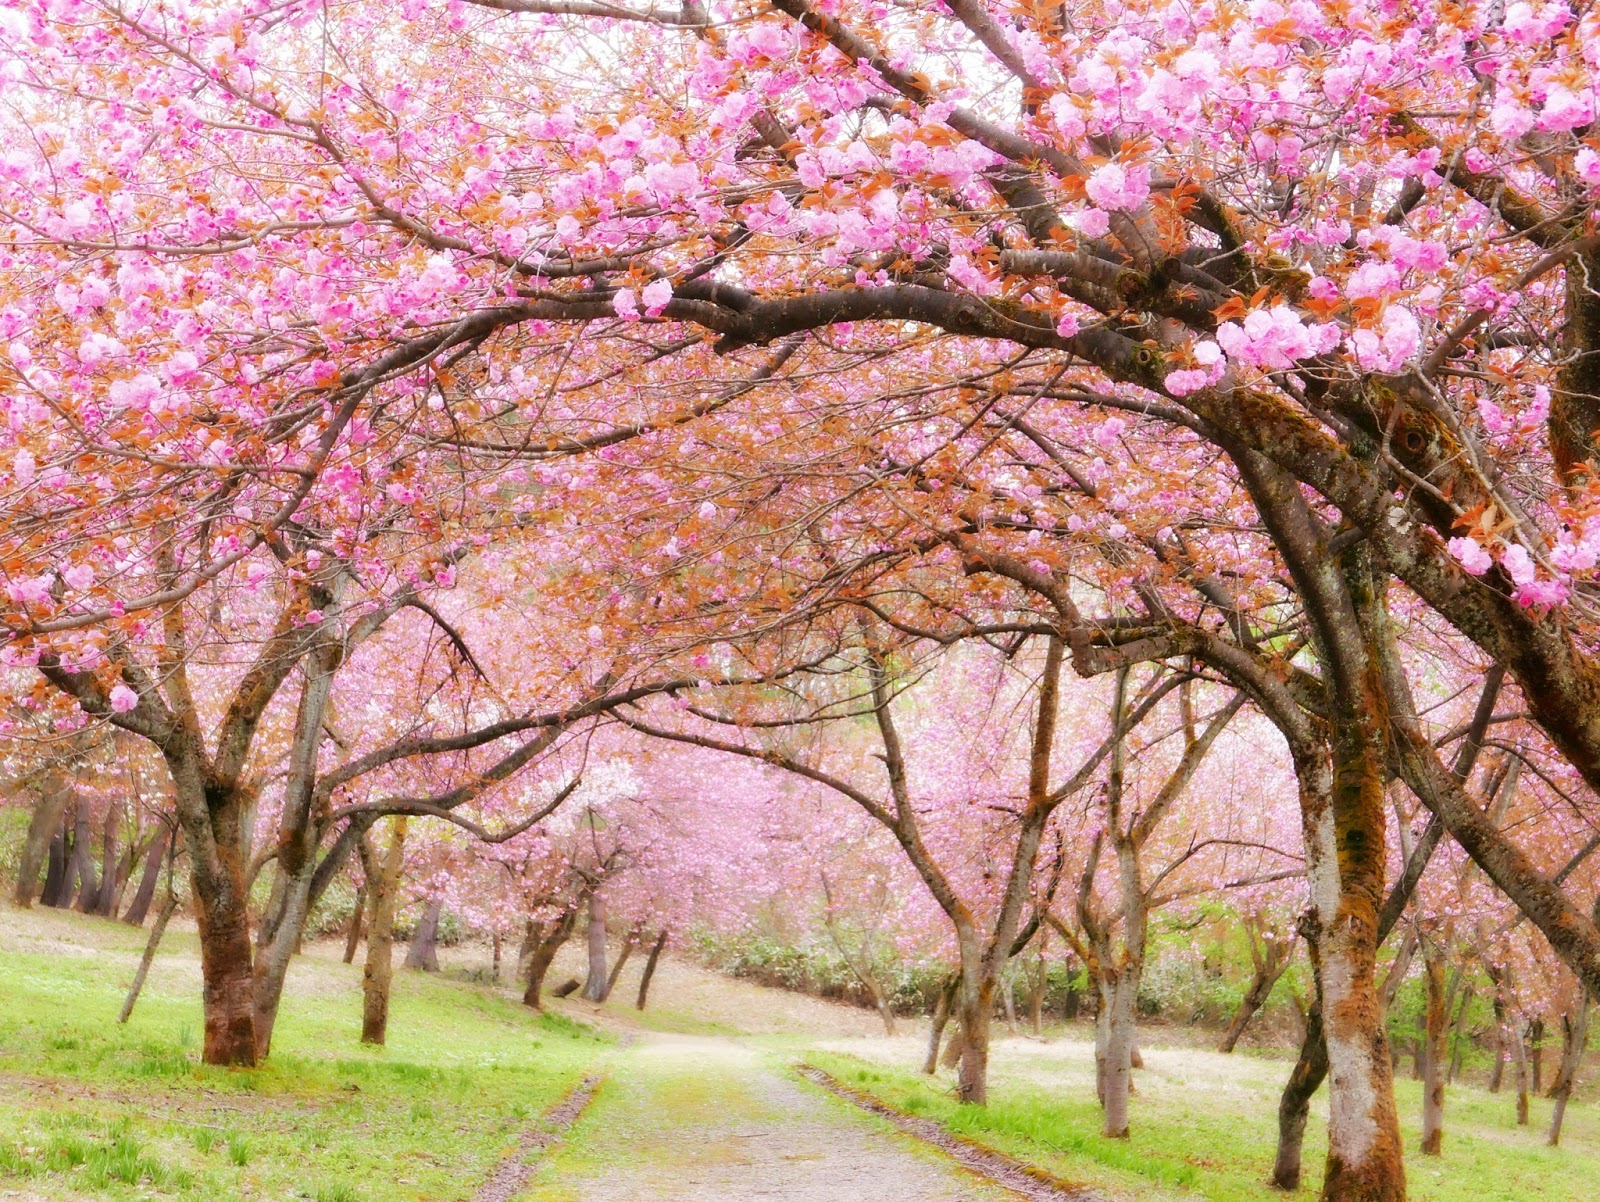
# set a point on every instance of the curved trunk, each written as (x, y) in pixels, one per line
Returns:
(379, 971)
(1267, 971)
(156, 932)
(1519, 1061)
(546, 943)
(145, 894)
(1294, 1107)
(650, 969)
(628, 945)
(352, 938)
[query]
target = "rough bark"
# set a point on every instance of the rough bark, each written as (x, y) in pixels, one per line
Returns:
(145, 894)
(379, 971)
(46, 820)
(1116, 1067)
(977, 1016)
(650, 969)
(594, 986)
(423, 953)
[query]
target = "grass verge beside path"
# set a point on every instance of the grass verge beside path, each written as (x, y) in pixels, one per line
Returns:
(90, 1109)
(1208, 1132)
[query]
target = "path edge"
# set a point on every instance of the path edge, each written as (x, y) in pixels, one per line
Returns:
(517, 1167)
(1027, 1180)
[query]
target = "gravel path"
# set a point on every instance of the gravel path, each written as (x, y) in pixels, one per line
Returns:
(689, 1119)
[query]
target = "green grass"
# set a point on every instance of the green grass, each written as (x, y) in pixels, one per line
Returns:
(92, 1109)
(1204, 1126)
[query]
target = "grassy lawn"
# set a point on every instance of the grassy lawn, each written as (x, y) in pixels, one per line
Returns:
(89, 1109)
(1204, 1126)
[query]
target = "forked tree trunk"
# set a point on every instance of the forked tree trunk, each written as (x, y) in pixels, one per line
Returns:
(379, 972)
(1270, 965)
(595, 984)
(145, 894)
(942, 1006)
(650, 969)
(1434, 1051)
(547, 941)
(352, 938)
(424, 950)
(45, 822)
(1575, 1034)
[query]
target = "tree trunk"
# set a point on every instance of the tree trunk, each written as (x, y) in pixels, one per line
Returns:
(1575, 1034)
(82, 869)
(650, 969)
(1437, 1026)
(424, 950)
(1294, 1107)
(494, 961)
(1345, 821)
(942, 1005)
(1039, 985)
(1536, 1053)
(168, 907)
(1272, 964)
(1519, 1061)
(628, 945)
(46, 821)
(546, 943)
(379, 972)
(977, 1014)
(105, 901)
(352, 937)
(1458, 1035)
(595, 984)
(55, 877)
(1117, 1005)
(140, 906)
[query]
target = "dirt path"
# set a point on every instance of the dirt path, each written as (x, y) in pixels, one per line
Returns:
(702, 1119)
